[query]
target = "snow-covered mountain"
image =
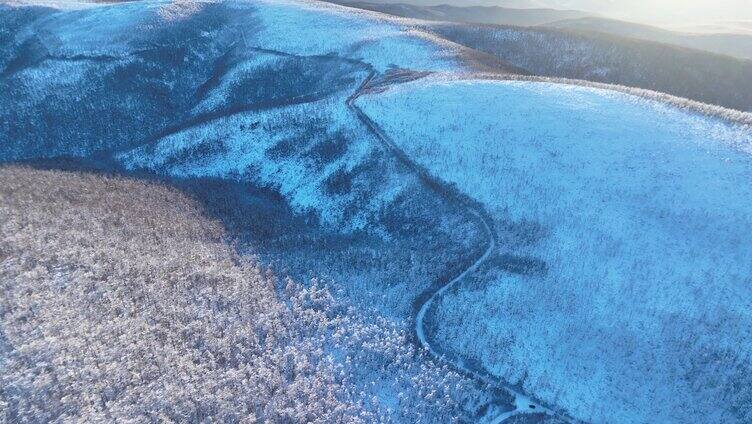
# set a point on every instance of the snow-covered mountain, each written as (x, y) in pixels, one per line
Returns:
(737, 45)
(619, 225)
(560, 250)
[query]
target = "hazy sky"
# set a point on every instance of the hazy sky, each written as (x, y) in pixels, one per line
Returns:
(668, 11)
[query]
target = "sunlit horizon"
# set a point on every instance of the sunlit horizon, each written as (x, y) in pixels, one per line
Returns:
(671, 12)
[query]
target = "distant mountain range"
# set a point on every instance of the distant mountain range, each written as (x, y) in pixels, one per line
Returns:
(737, 43)
(662, 13)
(731, 27)
(472, 14)
(535, 42)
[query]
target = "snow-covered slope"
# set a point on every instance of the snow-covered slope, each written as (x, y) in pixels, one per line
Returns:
(634, 302)
(130, 82)
(621, 221)
(244, 105)
(318, 29)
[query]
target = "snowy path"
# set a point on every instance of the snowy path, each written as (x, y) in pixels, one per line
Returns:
(523, 404)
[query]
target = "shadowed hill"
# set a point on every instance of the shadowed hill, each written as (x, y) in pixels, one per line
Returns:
(252, 121)
(735, 45)
(599, 50)
(693, 74)
(476, 14)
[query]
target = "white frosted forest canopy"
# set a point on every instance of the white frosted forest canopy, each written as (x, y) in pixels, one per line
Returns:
(628, 219)
(640, 214)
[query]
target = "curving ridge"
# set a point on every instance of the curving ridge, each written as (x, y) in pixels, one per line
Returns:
(523, 403)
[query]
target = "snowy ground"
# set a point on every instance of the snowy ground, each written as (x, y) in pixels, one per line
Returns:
(637, 212)
(227, 101)
(361, 35)
(252, 90)
(618, 290)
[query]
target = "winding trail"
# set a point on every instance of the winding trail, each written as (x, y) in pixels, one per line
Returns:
(523, 404)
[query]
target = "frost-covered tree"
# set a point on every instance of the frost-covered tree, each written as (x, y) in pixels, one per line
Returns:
(121, 302)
